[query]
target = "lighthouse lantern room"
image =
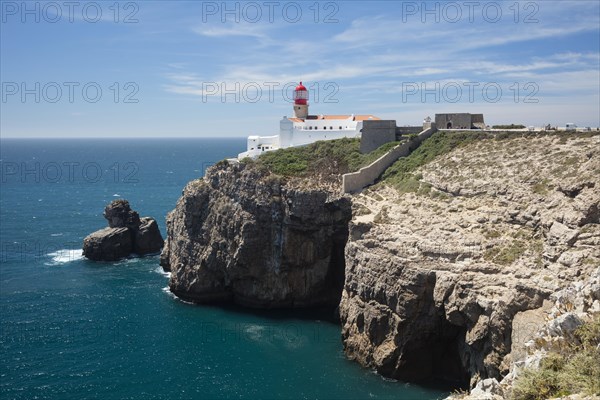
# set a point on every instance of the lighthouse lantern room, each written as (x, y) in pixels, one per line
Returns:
(301, 102)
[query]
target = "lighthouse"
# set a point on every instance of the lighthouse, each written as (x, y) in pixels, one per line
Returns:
(303, 129)
(300, 102)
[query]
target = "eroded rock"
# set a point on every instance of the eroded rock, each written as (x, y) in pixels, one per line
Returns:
(108, 244)
(126, 234)
(434, 287)
(245, 236)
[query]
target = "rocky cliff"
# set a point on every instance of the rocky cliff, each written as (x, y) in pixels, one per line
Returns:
(437, 273)
(445, 272)
(244, 235)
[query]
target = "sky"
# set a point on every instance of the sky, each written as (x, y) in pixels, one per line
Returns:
(222, 69)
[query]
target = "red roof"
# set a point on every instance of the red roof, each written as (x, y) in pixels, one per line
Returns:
(300, 87)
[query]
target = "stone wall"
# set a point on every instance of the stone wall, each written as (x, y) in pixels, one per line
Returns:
(477, 121)
(365, 176)
(408, 130)
(453, 121)
(377, 133)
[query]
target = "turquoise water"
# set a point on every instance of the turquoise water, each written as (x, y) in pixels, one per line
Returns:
(74, 329)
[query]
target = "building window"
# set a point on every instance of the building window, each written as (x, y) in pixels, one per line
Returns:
(340, 127)
(331, 127)
(324, 127)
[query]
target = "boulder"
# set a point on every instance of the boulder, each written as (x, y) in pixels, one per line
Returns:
(108, 244)
(147, 239)
(560, 234)
(119, 215)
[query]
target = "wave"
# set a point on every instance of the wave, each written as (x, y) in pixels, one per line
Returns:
(171, 294)
(160, 270)
(64, 256)
(130, 259)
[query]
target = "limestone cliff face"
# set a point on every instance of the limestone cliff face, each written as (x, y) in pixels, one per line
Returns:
(246, 236)
(434, 279)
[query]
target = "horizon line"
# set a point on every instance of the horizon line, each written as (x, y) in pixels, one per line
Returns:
(121, 137)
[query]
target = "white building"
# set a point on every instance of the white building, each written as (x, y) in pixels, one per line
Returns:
(304, 129)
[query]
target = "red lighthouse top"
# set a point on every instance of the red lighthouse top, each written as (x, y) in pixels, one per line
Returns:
(300, 94)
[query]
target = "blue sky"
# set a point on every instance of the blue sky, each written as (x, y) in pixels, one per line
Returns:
(184, 68)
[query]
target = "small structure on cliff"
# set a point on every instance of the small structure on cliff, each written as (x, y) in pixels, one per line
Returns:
(459, 121)
(303, 129)
(126, 233)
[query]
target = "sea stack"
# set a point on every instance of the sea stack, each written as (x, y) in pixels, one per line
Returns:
(127, 233)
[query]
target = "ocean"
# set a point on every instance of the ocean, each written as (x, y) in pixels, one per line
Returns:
(75, 329)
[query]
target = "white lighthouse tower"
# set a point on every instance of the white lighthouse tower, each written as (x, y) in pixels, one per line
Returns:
(300, 102)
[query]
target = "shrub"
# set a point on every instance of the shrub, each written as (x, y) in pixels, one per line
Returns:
(578, 371)
(511, 126)
(400, 174)
(323, 157)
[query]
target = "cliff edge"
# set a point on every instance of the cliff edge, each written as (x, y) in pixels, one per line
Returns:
(244, 235)
(446, 255)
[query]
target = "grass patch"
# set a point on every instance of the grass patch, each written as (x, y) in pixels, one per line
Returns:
(323, 157)
(570, 161)
(541, 187)
(506, 255)
(576, 371)
(491, 233)
(401, 174)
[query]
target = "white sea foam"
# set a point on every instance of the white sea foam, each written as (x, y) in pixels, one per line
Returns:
(160, 270)
(64, 256)
(171, 294)
(131, 259)
(116, 195)
(254, 332)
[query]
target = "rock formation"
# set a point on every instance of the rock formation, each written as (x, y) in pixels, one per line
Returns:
(246, 236)
(126, 234)
(435, 278)
(433, 281)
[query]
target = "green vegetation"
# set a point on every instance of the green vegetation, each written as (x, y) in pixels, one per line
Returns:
(576, 371)
(334, 157)
(491, 233)
(511, 126)
(541, 187)
(324, 157)
(506, 255)
(517, 243)
(401, 173)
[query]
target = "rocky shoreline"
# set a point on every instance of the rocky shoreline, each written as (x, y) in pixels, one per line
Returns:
(450, 280)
